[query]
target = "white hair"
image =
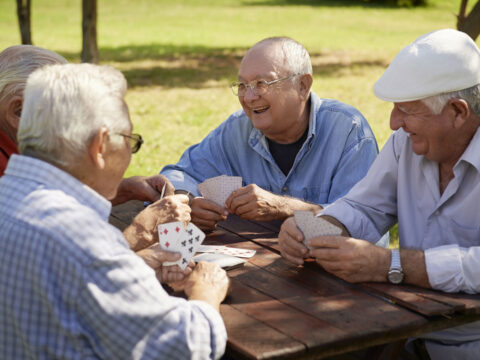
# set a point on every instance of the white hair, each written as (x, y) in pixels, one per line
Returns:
(471, 95)
(297, 60)
(18, 62)
(66, 105)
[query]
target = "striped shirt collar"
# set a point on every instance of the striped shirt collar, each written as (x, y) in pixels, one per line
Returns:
(52, 177)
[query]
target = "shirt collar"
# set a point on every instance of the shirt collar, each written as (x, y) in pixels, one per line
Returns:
(7, 144)
(52, 177)
(472, 153)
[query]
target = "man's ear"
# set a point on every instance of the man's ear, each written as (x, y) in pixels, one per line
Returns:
(97, 148)
(461, 112)
(306, 81)
(14, 111)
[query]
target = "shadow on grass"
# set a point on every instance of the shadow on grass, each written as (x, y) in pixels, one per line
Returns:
(197, 67)
(382, 4)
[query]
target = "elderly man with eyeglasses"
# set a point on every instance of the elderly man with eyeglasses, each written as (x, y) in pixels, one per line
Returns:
(294, 150)
(71, 286)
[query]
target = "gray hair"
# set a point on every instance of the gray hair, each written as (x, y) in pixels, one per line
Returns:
(66, 105)
(471, 95)
(19, 61)
(297, 59)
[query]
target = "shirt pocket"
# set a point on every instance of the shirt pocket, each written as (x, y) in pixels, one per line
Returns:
(466, 235)
(317, 194)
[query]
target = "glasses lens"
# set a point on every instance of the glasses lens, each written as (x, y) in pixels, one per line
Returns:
(136, 142)
(260, 87)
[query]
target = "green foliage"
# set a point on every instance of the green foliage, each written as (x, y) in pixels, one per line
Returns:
(399, 3)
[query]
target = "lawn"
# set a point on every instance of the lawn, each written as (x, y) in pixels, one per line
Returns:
(179, 56)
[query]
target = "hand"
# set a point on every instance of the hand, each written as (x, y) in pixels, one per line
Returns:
(350, 259)
(143, 188)
(154, 256)
(208, 282)
(143, 231)
(206, 214)
(251, 202)
(290, 240)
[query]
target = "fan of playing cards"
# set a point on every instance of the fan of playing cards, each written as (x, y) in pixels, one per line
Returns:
(187, 240)
(177, 237)
(312, 226)
(218, 189)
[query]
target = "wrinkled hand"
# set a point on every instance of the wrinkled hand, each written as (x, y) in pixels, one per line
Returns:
(143, 188)
(154, 256)
(290, 240)
(144, 228)
(207, 282)
(206, 214)
(350, 259)
(251, 202)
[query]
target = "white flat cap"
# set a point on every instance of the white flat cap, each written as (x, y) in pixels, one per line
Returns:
(438, 62)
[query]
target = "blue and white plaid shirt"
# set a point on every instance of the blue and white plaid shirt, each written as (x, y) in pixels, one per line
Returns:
(72, 289)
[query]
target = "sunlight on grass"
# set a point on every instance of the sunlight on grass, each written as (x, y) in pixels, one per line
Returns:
(179, 56)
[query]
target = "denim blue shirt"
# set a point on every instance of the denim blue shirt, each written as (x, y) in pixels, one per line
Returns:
(72, 289)
(337, 153)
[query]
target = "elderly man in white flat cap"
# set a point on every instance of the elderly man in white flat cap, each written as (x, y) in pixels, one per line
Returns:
(426, 178)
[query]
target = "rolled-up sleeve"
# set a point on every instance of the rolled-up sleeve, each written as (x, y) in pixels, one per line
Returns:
(452, 268)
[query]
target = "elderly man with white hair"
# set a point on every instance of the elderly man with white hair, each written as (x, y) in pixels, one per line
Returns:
(294, 150)
(426, 178)
(71, 286)
(16, 64)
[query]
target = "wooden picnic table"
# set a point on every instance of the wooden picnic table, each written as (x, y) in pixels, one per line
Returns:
(277, 310)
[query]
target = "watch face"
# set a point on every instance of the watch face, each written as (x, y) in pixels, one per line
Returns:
(395, 276)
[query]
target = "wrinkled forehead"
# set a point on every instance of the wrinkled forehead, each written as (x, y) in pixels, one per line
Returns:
(263, 61)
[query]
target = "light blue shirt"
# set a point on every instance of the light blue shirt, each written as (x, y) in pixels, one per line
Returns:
(338, 151)
(403, 186)
(72, 289)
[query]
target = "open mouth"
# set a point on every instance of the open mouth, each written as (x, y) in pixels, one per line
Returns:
(260, 110)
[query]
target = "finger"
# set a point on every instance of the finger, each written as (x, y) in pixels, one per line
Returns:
(207, 214)
(181, 198)
(291, 258)
(326, 254)
(240, 199)
(238, 192)
(325, 242)
(205, 224)
(294, 248)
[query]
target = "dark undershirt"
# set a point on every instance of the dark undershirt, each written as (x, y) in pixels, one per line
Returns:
(285, 154)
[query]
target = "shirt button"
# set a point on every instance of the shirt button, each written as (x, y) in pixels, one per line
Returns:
(284, 189)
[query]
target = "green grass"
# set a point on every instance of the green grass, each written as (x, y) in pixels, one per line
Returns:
(180, 55)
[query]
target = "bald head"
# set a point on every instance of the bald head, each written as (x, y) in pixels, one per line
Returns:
(285, 54)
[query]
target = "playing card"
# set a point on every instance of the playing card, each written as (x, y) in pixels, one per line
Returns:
(225, 250)
(218, 189)
(312, 226)
(177, 238)
(226, 262)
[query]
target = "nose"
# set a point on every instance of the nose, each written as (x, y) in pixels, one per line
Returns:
(396, 119)
(249, 94)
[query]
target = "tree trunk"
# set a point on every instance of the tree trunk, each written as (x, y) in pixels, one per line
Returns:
(89, 31)
(469, 24)
(23, 13)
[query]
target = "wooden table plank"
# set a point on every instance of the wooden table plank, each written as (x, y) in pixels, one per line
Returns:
(251, 339)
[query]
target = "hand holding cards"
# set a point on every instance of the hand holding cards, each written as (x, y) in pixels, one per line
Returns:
(175, 237)
(312, 226)
(218, 189)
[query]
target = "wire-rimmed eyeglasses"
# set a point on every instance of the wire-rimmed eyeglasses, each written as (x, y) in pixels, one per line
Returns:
(135, 141)
(258, 87)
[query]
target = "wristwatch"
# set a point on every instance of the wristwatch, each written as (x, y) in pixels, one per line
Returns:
(395, 273)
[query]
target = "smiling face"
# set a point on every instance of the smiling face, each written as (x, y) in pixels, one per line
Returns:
(434, 136)
(281, 112)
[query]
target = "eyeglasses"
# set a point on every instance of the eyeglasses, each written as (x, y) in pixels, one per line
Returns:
(135, 141)
(259, 87)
